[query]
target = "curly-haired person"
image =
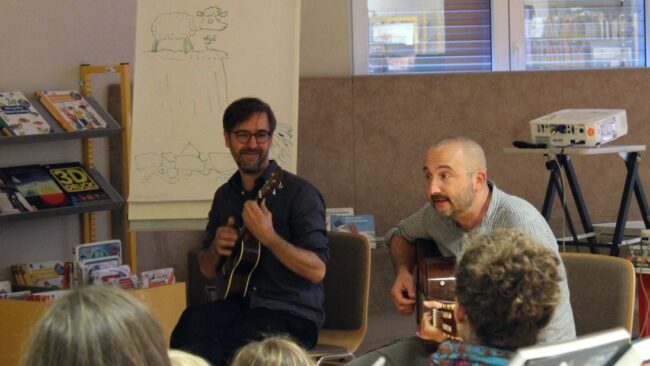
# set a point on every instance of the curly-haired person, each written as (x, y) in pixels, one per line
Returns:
(506, 291)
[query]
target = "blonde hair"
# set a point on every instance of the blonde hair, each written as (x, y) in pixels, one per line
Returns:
(97, 325)
(182, 358)
(272, 351)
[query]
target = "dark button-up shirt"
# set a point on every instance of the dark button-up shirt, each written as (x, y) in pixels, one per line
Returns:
(298, 213)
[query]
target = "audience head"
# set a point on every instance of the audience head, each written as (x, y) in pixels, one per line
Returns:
(506, 289)
(272, 351)
(182, 358)
(243, 109)
(97, 325)
(456, 171)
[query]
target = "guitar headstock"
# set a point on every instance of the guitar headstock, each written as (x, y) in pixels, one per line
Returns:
(270, 185)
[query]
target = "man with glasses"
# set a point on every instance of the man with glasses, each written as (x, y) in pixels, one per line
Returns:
(285, 292)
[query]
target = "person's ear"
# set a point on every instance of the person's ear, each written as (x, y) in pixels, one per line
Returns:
(480, 179)
(226, 138)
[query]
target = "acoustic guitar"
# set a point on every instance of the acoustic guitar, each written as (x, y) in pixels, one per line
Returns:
(435, 281)
(238, 268)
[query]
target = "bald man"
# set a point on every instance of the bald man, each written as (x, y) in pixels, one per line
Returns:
(461, 200)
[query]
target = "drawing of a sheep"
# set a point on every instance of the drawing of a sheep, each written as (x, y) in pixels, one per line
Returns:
(177, 26)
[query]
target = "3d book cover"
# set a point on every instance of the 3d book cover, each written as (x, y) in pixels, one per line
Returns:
(76, 182)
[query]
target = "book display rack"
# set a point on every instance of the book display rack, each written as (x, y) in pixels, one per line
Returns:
(57, 133)
(108, 128)
(20, 316)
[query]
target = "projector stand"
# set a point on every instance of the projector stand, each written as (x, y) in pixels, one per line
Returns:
(560, 159)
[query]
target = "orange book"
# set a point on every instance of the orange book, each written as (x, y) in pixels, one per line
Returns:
(71, 110)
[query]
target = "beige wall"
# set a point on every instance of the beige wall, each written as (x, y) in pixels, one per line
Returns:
(326, 38)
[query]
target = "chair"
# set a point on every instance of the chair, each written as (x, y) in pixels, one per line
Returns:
(347, 287)
(602, 291)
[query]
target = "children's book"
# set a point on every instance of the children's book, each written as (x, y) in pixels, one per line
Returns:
(94, 250)
(336, 211)
(89, 266)
(44, 274)
(98, 249)
(362, 224)
(77, 184)
(36, 185)
(11, 200)
(157, 277)
(19, 117)
(71, 110)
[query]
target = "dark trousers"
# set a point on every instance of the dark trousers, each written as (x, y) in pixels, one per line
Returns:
(216, 330)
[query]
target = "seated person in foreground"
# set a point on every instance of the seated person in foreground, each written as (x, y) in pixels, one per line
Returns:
(272, 351)
(507, 288)
(97, 325)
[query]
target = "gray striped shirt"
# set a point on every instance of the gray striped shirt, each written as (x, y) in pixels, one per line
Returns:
(504, 211)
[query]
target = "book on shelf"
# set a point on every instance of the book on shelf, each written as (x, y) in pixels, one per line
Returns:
(89, 252)
(36, 185)
(11, 200)
(18, 116)
(336, 211)
(97, 249)
(362, 224)
(71, 110)
(78, 185)
(48, 274)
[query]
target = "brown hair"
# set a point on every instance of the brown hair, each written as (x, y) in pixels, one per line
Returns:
(508, 285)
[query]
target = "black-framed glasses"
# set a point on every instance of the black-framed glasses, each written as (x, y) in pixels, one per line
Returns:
(245, 136)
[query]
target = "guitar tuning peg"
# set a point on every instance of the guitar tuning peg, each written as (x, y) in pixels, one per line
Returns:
(274, 191)
(280, 185)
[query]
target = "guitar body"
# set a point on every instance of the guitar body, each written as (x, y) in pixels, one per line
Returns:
(244, 259)
(238, 268)
(435, 281)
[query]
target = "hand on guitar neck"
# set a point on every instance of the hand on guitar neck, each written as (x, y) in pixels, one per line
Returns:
(438, 324)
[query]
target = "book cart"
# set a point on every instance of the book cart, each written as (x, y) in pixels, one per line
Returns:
(165, 302)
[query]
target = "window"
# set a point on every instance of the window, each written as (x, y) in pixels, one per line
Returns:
(432, 36)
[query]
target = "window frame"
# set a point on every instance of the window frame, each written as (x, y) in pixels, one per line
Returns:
(508, 36)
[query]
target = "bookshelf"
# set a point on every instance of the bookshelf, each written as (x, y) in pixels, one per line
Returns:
(58, 134)
(166, 302)
(113, 129)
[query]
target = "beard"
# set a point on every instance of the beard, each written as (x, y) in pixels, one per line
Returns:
(457, 205)
(246, 164)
